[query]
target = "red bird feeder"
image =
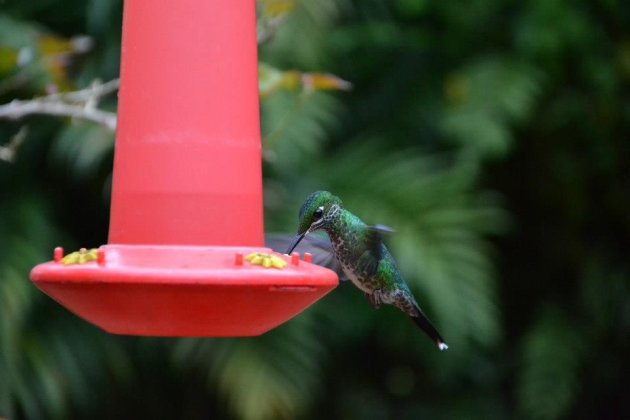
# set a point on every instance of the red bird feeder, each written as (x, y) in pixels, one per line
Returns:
(187, 188)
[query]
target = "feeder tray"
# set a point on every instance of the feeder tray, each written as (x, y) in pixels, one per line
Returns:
(187, 187)
(183, 291)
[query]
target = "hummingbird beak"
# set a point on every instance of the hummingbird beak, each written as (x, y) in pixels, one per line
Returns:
(296, 241)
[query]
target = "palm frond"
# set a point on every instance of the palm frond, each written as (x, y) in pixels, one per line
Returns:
(44, 350)
(295, 126)
(273, 376)
(485, 99)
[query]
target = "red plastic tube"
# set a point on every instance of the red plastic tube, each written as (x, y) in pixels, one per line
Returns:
(187, 167)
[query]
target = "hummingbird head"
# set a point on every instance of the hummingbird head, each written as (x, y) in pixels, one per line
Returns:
(314, 214)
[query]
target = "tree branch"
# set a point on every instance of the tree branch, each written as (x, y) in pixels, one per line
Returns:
(18, 109)
(96, 91)
(8, 152)
(267, 27)
(80, 104)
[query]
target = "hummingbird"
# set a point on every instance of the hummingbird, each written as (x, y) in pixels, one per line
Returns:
(363, 256)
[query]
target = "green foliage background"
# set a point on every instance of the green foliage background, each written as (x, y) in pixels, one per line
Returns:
(492, 135)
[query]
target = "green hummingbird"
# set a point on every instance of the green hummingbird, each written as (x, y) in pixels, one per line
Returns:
(363, 256)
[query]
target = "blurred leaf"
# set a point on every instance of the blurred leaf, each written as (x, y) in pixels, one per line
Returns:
(8, 59)
(81, 149)
(42, 58)
(276, 7)
(547, 28)
(100, 16)
(484, 100)
(16, 34)
(50, 361)
(548, 378)
(301, 37)
(295, 127)
(55, 56)
(274, 376)
(272, 80)
(412, 7)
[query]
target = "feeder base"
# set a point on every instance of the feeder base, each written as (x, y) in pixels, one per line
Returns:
(177, 291)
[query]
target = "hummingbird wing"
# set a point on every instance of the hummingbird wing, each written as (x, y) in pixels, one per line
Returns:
(369, 260)
(375, 236)
(318, 246)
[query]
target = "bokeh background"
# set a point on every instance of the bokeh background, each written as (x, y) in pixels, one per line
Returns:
(491, 135)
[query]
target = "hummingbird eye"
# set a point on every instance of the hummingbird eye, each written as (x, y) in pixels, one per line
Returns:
(318, 213)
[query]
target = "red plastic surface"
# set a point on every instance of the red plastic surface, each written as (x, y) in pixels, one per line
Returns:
(187, 166)
(187, 187)
(183, 291)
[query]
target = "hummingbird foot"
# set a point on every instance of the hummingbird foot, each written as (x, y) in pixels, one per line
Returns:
(375, 298)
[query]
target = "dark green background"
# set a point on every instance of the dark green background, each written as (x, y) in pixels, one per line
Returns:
(491, 135)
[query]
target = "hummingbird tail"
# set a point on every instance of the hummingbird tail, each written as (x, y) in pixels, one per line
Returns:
(425, 325)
